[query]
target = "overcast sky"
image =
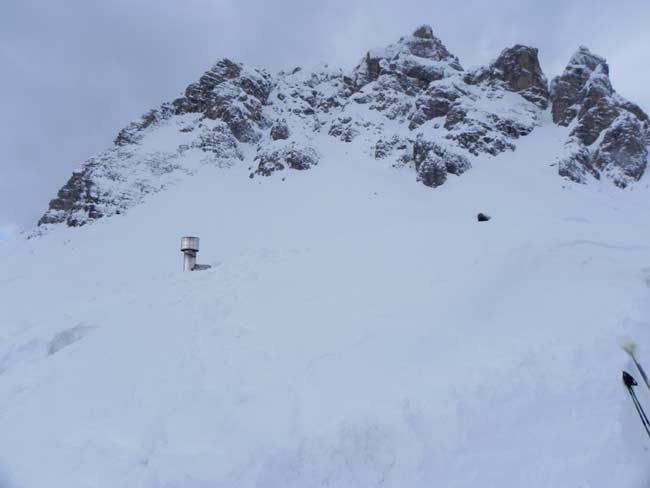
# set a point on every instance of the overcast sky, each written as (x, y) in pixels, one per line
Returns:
(75, 71)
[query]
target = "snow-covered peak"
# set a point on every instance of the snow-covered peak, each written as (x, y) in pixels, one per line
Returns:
(421, 43)
(584, 68)
(608, 136)
(518, 69)
(424, 31)
(584, 59)
(420, 55)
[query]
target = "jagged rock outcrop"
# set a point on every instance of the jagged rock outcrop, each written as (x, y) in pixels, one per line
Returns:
(421, 57)
(436, 101)
(288, 155)
(411, 104)
(567, 89)
(518, 70)
(609, 135)
(74, 197)
(387, 148)
(477, 115)
(498, 103)
(623, 153)
(280, 130)
(121, 177)
(433, 162)
(232, 93)
(303, 95)
(132, 133)
(388, 79)
(344, 128)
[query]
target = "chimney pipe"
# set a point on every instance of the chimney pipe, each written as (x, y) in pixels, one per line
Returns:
(189, 247)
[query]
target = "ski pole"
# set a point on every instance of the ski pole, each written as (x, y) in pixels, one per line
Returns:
(630, 348)
(639, 408)
(630, 382)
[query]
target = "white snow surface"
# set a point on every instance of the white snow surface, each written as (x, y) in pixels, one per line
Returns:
(356, 329)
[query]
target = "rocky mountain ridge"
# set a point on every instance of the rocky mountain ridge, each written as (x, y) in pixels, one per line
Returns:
(410, 104)
(609, 135)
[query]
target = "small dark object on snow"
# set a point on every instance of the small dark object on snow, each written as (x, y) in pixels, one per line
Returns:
(483, 217)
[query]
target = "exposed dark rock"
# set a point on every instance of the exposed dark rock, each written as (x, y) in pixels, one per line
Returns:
(623, 153)
(418, 80)
(398, 149)
(421, 72)
(423, 32)
(436, 101)
(128, 135)
(594, 121)
(596, 93)
(609, 137)
(577, 165)
(433, 163)
(566, 90)
(132, 133)
(633, 109)
(455, 117)
(230, 93)
(280, 130)
(290, 155)
(411, 56)
(478, 136)
(304, 95)
(343, 128)
(481, 217)
(218, 141)
(510, 127)
(384, 148)
(388, 97)
(75, 196)
(518, 69)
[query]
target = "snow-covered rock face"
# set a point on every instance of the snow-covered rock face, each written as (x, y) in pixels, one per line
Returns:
(609, 134)
(232, 93)
(417, 80)
(413, 62)
(410, 104)
(220, 111)
(433, 163)
(146, 158)
(284, 155)
(518, 69)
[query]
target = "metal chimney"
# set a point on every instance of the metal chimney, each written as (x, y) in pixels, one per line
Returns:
(189, 247)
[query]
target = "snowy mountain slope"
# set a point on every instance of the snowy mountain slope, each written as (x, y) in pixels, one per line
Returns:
(355, 330)
(411, 102)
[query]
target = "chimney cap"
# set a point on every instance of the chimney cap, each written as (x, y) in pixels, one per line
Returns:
(189, 243)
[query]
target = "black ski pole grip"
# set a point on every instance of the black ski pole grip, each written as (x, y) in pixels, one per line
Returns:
(628, 380)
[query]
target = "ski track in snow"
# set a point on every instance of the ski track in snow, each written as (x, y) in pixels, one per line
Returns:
(605, 245)
(356, 330)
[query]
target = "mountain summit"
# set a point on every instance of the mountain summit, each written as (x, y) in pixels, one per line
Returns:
(411, 103)
(609, 135)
